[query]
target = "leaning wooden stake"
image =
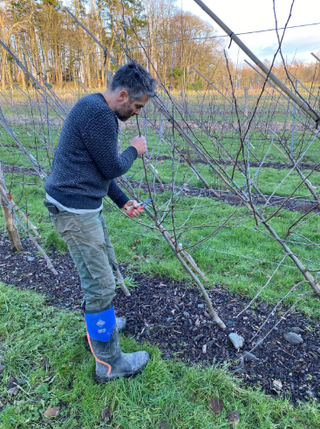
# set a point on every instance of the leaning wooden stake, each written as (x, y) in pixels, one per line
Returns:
(8, 214)
(121, 283)
(25, 218)
(212, 312)
(188, 257)
(10, 219)
(43, 253)
(168, 238)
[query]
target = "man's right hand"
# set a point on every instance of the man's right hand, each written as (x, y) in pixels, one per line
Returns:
(140, 144)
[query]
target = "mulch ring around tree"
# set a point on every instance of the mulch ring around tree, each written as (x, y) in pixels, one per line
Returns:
(174, 316)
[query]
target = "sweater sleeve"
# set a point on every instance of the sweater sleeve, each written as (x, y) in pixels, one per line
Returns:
(117, 195)
(101, 139)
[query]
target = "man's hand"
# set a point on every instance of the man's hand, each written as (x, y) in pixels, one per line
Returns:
(140, 144)
(133, 208)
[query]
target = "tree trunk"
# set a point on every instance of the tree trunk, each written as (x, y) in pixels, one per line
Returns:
(3, 70)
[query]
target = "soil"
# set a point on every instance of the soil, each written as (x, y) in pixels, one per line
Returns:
(174, 316)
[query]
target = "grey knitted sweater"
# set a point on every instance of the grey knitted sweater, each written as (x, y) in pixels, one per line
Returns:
(86, 161)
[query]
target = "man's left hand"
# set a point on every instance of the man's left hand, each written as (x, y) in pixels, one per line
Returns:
(133, 208)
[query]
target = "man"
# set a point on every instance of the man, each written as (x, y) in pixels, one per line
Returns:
(85, 165)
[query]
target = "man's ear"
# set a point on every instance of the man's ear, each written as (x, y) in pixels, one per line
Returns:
(123, 95)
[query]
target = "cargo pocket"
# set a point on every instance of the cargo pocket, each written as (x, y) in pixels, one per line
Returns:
(96, 261)
(65, 224)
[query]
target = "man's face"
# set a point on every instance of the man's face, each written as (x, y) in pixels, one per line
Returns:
(125, 108)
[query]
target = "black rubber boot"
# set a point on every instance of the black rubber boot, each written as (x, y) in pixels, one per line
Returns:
(111, 363)
(121, 325)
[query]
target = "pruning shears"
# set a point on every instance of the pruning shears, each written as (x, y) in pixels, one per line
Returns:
(142, 205)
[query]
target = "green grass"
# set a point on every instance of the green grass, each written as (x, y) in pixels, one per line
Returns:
(262, 143)
(239, 257)
(43, 346)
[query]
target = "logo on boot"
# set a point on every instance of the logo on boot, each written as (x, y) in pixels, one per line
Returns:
(100, 323)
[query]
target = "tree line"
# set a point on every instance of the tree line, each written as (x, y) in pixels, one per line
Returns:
(166, 40)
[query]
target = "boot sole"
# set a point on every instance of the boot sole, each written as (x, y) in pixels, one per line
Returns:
(115, 377)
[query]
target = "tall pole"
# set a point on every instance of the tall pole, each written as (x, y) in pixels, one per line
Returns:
(310, 112)
(293, 122)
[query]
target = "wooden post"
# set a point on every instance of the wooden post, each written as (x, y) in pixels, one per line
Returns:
(109, 78)
(246, 101)
(8, 214)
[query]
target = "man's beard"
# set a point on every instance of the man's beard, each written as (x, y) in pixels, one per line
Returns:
(123, 114)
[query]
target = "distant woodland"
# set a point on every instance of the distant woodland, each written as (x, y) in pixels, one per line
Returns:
(166, 40)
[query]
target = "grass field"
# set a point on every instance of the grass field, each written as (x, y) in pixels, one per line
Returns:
(42, 348)
(46, 350)
(239, 256)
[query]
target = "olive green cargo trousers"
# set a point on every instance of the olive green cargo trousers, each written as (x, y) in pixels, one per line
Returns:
(92, 252)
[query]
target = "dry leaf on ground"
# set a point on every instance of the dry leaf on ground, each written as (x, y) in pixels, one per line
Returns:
(51, 411)
(106, 414)
(216, 405)
(13, 391)
(233, 418)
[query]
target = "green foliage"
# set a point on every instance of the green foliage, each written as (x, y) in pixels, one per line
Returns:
(53, 3)
(197, 86)
(54, 240)
(44, 347)
(238, 257)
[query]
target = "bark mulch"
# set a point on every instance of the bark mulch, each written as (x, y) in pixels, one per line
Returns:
(174, 316)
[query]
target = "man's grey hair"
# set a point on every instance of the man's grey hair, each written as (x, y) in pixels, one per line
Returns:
(135, 80)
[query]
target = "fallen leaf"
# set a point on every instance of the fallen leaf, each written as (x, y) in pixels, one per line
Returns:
(233, 418)
(48, 378)
(51, 411)
(133, 248)
(106, 414)
(216, 405)
(137, 240)
(13, 391)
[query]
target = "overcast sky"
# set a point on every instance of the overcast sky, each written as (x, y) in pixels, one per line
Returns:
(251, 15)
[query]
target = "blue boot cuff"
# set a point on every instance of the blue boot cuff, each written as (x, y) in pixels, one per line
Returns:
(100, 326)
